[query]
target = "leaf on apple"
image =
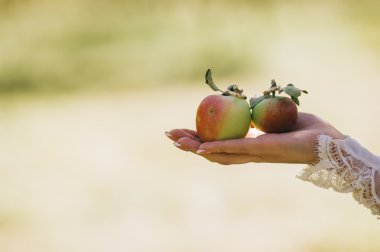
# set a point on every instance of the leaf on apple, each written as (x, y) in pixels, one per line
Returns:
(255, 100)
(291, 90)
(295, 99)
(210, 82)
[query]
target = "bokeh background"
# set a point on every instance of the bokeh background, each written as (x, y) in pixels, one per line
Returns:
(88, 88)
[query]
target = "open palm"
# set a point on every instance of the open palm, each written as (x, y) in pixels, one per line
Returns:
(296, 146)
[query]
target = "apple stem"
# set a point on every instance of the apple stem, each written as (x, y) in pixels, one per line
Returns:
(273, 86)
(231, 90)
(272, 90)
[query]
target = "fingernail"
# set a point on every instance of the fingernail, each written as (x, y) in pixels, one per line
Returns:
(203, 152)
(168, 134)
(177, 144)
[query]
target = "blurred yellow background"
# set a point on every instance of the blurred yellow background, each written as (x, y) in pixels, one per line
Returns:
(88, 88)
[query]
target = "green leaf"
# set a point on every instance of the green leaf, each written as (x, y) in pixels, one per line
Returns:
(256, 100)
(295, 99)
(291, 90)
(210, 82)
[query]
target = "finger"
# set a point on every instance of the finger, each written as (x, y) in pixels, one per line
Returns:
(234, 146)
(229, 159)
(188, 144)
(191, 132)
(177, 134)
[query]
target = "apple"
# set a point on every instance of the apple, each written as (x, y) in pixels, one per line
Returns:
(276, 114)
(223, 116)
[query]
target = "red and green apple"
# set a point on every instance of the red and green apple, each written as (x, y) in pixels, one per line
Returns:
(276, 114)
(223, 116)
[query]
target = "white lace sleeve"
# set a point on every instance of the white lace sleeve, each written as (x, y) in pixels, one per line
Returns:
(345, 166)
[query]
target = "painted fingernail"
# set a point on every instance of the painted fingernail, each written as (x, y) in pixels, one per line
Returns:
(168, 134)
(177, 144)
(203, 152)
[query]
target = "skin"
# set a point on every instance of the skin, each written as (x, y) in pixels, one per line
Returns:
(296, 146)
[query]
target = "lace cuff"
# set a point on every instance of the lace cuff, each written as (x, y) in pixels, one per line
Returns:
(345, 166)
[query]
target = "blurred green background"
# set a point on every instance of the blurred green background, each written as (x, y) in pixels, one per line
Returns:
(88, 88)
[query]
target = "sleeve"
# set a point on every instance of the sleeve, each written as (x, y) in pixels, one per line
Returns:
(345, 166)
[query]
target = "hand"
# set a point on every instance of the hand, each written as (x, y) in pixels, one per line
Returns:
(296, 146)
